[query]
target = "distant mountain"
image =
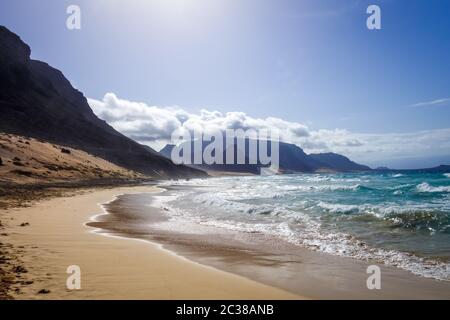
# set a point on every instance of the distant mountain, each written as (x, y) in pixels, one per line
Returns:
(37, 101)
(338, 162)
(236, 168)
(438, 169)
(292, 159)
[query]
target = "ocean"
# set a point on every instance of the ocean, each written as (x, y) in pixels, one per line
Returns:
(401, 220)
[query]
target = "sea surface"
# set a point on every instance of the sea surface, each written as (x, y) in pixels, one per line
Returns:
(400, 220)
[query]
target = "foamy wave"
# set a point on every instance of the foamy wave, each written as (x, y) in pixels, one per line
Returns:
(340, 208)
(326, 178)
(401, 186)
(425, 187)
(291, 208)
(336, 187)
(383, 210)
(214, 201)
(341, 244)
(447, 175)
(397, 175)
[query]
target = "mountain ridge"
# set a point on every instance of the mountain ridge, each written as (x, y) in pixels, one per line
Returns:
(37, 101)
(292, 159)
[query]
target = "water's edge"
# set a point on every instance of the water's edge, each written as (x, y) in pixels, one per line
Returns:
(285, 266)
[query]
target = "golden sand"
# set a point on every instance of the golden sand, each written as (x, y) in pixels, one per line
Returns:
(111, 267)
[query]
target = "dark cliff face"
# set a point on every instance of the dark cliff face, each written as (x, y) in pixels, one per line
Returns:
(37, 101)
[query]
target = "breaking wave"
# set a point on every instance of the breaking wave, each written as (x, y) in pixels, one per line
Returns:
(400, 222)
(425, 187)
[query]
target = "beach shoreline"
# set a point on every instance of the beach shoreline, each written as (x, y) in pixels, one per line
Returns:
(90, 229)
(258, 256)
(52, 235)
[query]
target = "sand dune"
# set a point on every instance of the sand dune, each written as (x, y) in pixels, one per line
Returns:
(27, 161)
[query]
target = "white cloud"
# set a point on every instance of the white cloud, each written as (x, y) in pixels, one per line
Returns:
(150, 123)
(403, 145)
(154, 125)
(437, 102)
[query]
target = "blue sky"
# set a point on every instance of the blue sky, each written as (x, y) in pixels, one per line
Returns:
(309, 62)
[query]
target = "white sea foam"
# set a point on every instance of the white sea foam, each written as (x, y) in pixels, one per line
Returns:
(385, 209)
(238, 204)
(397, 175)
(326, 178)
(312, 237)
(317, 188)
(400, 186)
(447, 175)
(425, 187)
(345, 208)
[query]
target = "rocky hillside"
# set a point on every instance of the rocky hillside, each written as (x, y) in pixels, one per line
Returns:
(28, 161)
(37, 101)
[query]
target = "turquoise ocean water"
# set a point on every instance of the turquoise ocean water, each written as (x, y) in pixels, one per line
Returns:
(396, 219)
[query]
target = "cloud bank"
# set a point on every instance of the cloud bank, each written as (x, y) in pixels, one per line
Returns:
(154, 125)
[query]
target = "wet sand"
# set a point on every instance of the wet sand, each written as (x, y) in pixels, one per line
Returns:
(54, 235)
(261, 257)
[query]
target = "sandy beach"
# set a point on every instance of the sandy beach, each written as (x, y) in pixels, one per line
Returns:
(127, 247)
(255, 255)
(51, 235)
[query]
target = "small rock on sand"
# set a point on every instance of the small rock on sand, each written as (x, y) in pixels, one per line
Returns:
(44, 291)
